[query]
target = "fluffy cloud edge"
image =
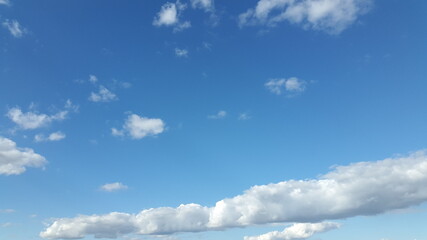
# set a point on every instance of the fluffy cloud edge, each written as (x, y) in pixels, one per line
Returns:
(138, 127)
(15, 160)
(331, 16)
(170, 16)
(297, 231)
(364, 188)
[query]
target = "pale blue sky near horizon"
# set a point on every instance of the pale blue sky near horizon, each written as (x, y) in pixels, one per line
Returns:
(359, 95)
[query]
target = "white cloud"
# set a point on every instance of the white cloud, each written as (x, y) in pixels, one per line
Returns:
(93, 79)
(14, 28)
(169, 15)
(103, 95)
(112, 187)
(56, 136)
(14, 160)
(207, 5)
(32, 119)
(181, 52)
(220, 115)
(290, 85)
(364, 188)
(244, 116)
(4, 2)
(138, 127)
(297, 231)
(332, 16)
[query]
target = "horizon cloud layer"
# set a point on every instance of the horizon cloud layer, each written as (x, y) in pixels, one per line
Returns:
(363, 188)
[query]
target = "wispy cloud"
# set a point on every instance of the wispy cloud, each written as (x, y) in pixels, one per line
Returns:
(14, 160)
(14, 28)
(181, 52)
(207, 5)
(244, 116)
(103, 95)
(4, 2)
(93, 79)
(9, 210)
(220, 115)
(332, 16)
(7, 224)
(297, 231)
(56, 136)
(291, 85)
(113, 187)
(364, 188)
(170, 16)
(138, 127)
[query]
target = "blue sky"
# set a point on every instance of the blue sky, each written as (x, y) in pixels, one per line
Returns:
(203, 119)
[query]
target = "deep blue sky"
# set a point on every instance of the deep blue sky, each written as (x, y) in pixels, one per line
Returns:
(362, 98)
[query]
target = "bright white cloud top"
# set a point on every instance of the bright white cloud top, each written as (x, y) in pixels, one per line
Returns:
(14, 28)
(32, 119)
(113, 187)
(332, 16)
(170, 14)
(138, 127)
(297, 231)
(15, 160)
(364, 188)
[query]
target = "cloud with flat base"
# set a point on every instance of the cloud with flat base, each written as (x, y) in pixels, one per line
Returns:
(359, 189)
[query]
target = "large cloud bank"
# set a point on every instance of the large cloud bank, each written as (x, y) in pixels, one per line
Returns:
(364, 188)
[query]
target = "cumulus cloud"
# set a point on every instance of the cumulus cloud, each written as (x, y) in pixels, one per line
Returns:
(103, 95)
(138, 127)
(169, 16)
(56, 136)
(14, 160)
(112, 187)
(33, 119)
(364, 188)
(290, 85)
(297, 231)
(220, 115)
(14, 28)
(181, 52)
(332, 16)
